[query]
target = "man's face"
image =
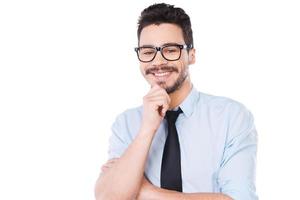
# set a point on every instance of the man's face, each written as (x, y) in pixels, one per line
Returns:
(170, 75)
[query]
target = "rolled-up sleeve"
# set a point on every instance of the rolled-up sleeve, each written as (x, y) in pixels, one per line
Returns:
(119, 140)
(236, 176)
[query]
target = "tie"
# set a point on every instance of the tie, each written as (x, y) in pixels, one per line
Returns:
(170, 177)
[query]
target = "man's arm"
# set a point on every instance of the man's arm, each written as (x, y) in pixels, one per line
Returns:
(149, 191)
(123, 179)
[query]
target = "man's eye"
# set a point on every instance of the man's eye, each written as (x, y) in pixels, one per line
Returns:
(171, 50)
(148, 52)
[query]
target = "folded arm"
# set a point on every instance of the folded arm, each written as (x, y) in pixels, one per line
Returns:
(122, 178)
(149, 191)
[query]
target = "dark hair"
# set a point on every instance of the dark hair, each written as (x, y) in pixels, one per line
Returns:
(165, 13)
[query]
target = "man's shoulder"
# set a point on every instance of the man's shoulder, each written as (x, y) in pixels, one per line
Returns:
(133, 113)
(232, 113)
(220, 102)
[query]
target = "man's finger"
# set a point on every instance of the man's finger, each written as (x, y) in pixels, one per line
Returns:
(155, 85)
(112, 160)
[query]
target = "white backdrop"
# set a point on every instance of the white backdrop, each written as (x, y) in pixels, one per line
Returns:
(67, 68)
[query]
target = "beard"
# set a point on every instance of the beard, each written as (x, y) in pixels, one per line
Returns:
(178, 82)
(177, 85)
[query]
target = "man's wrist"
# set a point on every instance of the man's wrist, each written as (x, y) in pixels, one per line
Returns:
(147, 131)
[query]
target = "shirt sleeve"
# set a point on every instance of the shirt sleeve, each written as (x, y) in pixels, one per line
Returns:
(119, 138)
(236, 176)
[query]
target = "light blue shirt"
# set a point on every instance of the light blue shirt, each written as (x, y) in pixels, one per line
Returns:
(218, 143)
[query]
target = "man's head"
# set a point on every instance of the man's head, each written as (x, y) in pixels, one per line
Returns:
(165, 46)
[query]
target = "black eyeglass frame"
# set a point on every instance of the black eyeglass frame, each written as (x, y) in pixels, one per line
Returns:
(180, 46)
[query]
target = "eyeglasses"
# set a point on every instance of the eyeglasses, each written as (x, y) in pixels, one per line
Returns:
(170, 52)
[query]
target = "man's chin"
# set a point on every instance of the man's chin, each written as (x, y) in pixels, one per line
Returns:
(169, 89)
(162, 84)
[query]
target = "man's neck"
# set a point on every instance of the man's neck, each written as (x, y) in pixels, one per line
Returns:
(179, 95)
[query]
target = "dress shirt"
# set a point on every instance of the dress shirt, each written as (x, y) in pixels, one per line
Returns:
(218, 143)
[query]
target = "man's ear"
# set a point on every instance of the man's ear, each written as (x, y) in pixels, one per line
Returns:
(192, 56)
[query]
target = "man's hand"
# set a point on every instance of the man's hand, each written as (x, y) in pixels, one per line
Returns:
(155, 106)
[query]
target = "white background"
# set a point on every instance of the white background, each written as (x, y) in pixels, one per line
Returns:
(67, 68)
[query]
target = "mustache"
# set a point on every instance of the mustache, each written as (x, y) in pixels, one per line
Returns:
(164, 68)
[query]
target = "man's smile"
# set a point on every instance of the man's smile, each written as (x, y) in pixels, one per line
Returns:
(161, 75)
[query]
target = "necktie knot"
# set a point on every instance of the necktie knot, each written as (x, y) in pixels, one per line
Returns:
(172, 116)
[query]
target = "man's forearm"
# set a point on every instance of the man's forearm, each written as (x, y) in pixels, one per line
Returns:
(151, 192)
(170, 195)
(123, 180)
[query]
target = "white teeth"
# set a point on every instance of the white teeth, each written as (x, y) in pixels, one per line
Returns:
(161, 74)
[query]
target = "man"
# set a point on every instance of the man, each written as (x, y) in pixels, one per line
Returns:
(181, 143)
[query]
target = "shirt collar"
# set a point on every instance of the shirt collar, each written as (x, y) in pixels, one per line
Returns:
(189, 103)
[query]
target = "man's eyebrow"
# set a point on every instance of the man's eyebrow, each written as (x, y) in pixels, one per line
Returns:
(147, 45)
(165, 44)
(170, 43)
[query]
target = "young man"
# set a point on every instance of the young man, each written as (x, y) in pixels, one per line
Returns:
(181, 143)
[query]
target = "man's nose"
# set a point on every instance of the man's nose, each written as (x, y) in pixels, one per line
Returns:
(159, 59)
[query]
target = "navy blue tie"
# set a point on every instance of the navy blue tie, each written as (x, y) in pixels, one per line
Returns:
(170, 177)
